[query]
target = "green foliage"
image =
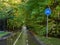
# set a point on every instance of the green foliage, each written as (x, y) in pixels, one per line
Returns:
(31, 13)
(38, 18)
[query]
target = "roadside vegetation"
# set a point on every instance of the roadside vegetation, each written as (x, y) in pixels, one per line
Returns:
(31, 13)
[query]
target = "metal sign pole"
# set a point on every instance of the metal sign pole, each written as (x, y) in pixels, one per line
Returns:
(47, 27)
(47, 13)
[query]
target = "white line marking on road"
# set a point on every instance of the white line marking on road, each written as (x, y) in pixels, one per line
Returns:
(27, 42)
(17, 39)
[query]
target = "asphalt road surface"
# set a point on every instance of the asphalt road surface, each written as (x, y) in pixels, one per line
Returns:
(27, 38)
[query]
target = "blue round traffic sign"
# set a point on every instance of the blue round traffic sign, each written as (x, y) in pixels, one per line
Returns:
(47, 11)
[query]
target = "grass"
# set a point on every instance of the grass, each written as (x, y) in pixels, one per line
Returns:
(50, 40)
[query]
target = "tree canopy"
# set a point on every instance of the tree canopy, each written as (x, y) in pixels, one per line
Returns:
(31, 13)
